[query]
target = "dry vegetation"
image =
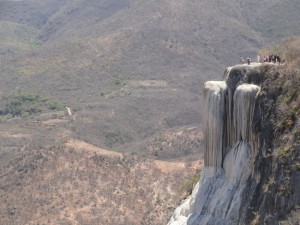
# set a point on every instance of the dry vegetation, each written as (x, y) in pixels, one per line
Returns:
(73, 184)
(132, 73)
(279, 197)
(49, 177)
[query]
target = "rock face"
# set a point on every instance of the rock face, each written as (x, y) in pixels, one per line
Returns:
(233, 151)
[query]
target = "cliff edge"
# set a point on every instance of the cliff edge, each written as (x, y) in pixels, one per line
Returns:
(252, 149)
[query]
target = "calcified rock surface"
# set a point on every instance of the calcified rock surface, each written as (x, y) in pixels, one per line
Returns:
(230, 149)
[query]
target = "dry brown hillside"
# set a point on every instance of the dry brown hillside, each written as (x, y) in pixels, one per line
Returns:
(131, 73)
(74, 182)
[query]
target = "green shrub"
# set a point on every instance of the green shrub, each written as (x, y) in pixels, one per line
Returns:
(118, 80)
(26, 104)
(188, 185)
(282, 153)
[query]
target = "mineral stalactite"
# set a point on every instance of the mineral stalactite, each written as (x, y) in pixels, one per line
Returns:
(230, 147)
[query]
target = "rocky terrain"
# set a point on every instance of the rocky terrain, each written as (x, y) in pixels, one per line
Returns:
(252, 147)
(131, 73)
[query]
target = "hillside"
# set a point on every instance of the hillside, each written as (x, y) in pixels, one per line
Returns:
(78, 183)
(132, 74)
(87, 54)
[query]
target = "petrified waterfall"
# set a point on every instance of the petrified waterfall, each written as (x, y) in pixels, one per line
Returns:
(230, 149)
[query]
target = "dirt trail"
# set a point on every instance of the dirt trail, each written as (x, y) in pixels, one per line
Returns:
(89, 148)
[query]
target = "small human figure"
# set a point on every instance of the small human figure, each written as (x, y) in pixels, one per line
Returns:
(248, 60)
(258, 58)
(279, 60)
(242, 60)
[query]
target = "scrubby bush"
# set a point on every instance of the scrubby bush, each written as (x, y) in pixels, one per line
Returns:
(187, 186)
(26, 104)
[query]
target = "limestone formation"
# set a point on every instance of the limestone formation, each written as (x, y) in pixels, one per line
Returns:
(230, 147)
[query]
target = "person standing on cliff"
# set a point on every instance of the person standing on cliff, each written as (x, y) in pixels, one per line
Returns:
(248, 60)
(258, 58)
(242, 60)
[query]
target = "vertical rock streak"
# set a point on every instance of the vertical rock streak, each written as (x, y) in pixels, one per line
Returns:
(230, 147)
(243, 113)
(214, 113)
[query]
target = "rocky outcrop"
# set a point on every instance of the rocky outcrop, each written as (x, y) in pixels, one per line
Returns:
(241, 166)
(274, 187)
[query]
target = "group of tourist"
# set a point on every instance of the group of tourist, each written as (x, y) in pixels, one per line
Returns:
(268, 58)
(273, 58)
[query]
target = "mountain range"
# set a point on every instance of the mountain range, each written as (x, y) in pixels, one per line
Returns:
(132, 74)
